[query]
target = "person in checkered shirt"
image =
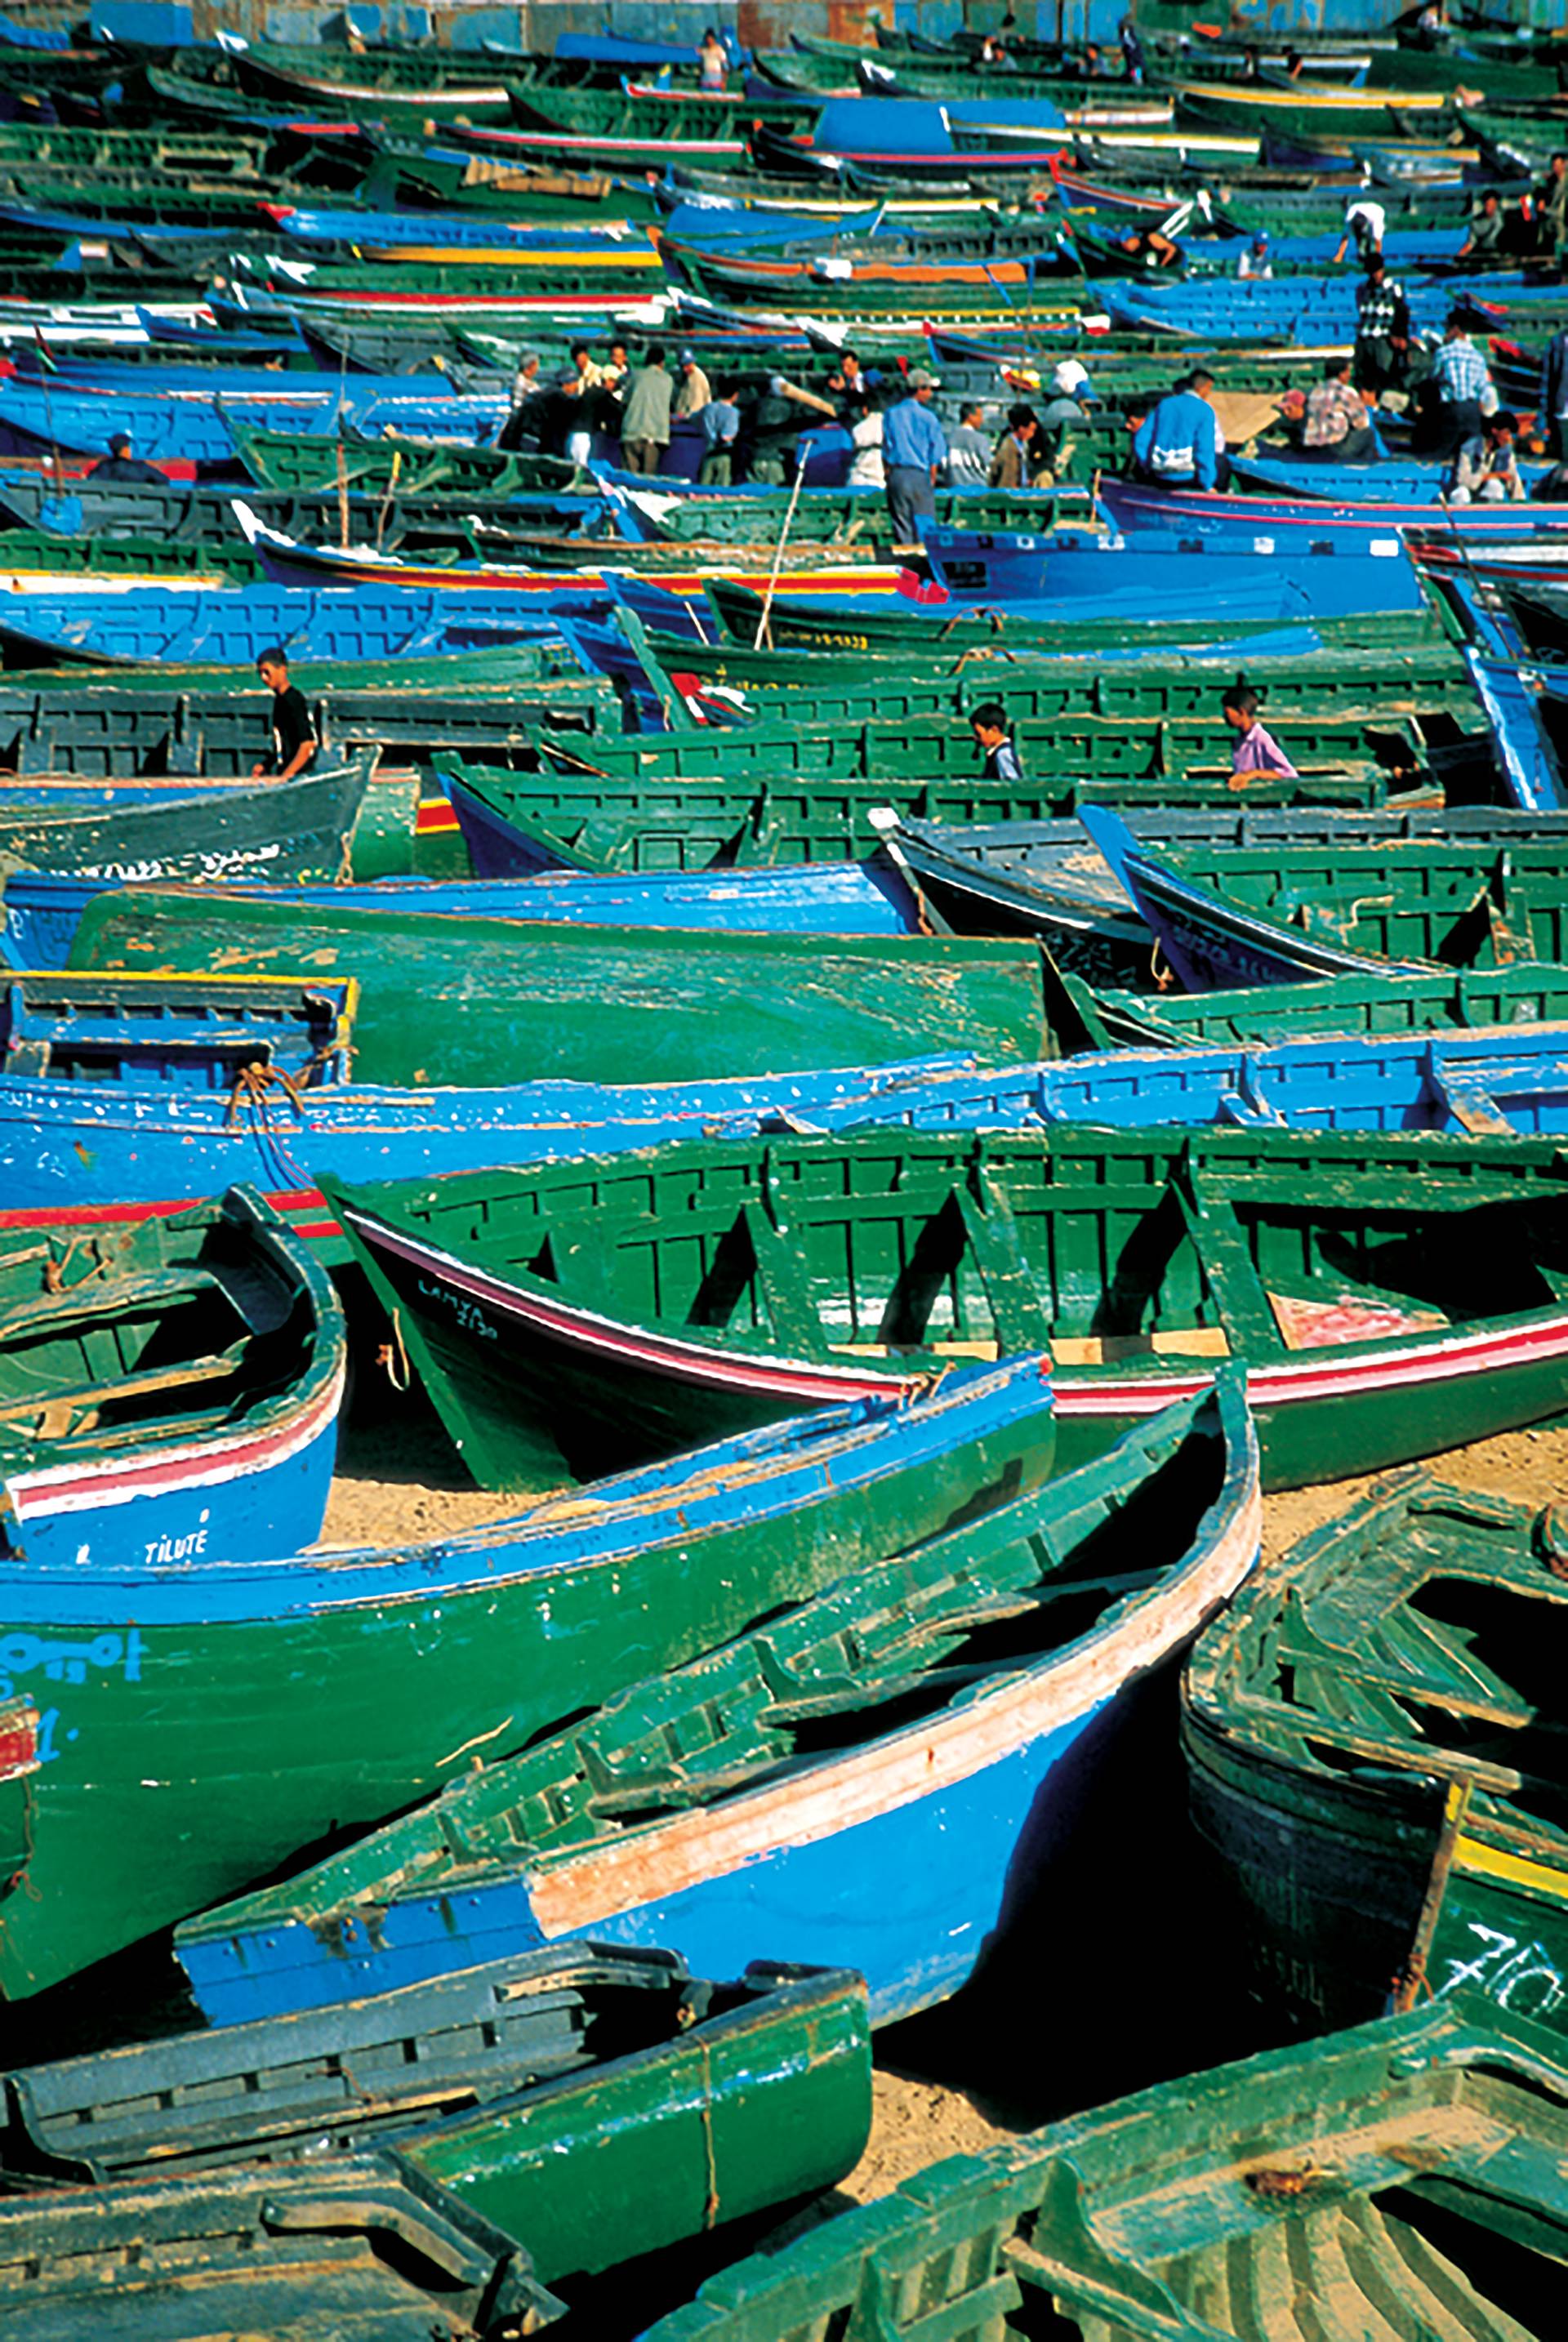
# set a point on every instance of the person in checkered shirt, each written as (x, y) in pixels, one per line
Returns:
(1461, 378)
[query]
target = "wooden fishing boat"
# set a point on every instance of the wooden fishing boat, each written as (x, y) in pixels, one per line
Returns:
(458, 999)
(170, 1392)
(117, 563)
(331, 619)
(1410, 2167)
(1371, 1752)
(299, 461)
(697, 801)
(1434, 1003)
(306, 1694)
(323, 824)
(492, 2090)
(612, 1304)
(884, 1768)
(1226, 916)
(381, 2254)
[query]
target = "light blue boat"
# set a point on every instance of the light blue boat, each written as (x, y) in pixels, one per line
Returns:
(202, 626)
(187, 425)
(871, 1777)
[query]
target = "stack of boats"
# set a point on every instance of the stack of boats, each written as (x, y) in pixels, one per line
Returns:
(886, 1223)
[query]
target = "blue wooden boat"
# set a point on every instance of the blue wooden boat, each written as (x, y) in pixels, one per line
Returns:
(1143, 573)
(1523, 705)
(691, 2102)
(43, 909)
(1313, 311)
(329, 1689)
(160, 624)
(1394, 480)
(188, 427)
(167, 1397)
(1297, 524)
(876, 1776)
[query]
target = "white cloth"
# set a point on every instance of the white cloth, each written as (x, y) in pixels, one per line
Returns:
(865, 464)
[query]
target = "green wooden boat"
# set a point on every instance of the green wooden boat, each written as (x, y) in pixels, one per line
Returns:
(1404, 2180)
(1373, 1746)
(29, 148)
(625, 1302)
(789, 625)
(1085, 1016)
(821, 687)
(593, 2104)
(689, 805)
(37, 552)
(212, 1721)
(298, 461)
(336, 820)
(460, 999)
(653, 121)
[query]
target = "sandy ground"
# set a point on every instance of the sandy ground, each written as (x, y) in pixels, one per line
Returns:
(401, 1484)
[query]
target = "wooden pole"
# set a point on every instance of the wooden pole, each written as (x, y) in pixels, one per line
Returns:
(779, 551)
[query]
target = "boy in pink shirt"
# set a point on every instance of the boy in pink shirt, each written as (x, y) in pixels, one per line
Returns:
(1256, 750)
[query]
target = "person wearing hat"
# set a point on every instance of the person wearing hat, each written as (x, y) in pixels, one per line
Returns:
(1382, 355)
(695, 390)
(645, 423)
(1256, 260)
(1460, 380)
(123, 464)
(913, 450)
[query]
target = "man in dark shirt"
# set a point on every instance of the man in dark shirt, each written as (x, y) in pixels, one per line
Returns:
(293, 738)
(121, 464)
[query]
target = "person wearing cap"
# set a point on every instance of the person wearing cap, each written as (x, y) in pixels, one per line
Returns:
(913, 450)
(1177, 444)
(1382, 355)
(695, 390)
(123, 464)
(1072, 395)
(969, 448)
(1459, 381)
(645, 423)
(1256, 260)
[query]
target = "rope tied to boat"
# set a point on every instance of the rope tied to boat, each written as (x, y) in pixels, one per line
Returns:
(252, 1083)
(397, 1364)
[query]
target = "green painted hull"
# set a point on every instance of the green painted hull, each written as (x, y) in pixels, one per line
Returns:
(630, 1301)
(465, 1000)
(67, 557)
(1370, 1750)
(1531, 995)
(240, 1738)
(295, 461)
(1403, 2179)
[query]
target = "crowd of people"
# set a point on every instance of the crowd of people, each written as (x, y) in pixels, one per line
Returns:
(625, 412)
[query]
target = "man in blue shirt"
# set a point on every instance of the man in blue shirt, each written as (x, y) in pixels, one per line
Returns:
(913, 450)
(1176, 445)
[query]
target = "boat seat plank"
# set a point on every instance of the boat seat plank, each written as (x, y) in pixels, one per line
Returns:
(1011, 1286)
(64, 1413)
(1443, 2294)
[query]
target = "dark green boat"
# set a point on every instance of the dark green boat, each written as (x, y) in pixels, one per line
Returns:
(593, 2104)
(1402, 2181)
(1374, 1749)
(297, 461)
(1390, 1294)
(480, 1000)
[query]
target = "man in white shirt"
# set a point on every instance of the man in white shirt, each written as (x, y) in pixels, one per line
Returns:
(1364, 221)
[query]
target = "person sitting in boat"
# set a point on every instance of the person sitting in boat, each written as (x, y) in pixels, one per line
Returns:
(1256, 260)
(123, 463)
(713, 62)
(1365, 222)
(1178, 444)
(1256, 750)
(994, 57)
(1486, 468)
(1095, 66)
(1150, 248)
(969, 448)
(293, 740)
(1488, 228)
(1381, 356)
(1334, 428)
(1018, 456)
(991, 734)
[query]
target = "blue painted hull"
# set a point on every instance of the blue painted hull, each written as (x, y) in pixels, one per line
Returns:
(903, 1856)
(189, 427)
(1393, 481)
(1512, 695)
(231, 626)
(1145, 573)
